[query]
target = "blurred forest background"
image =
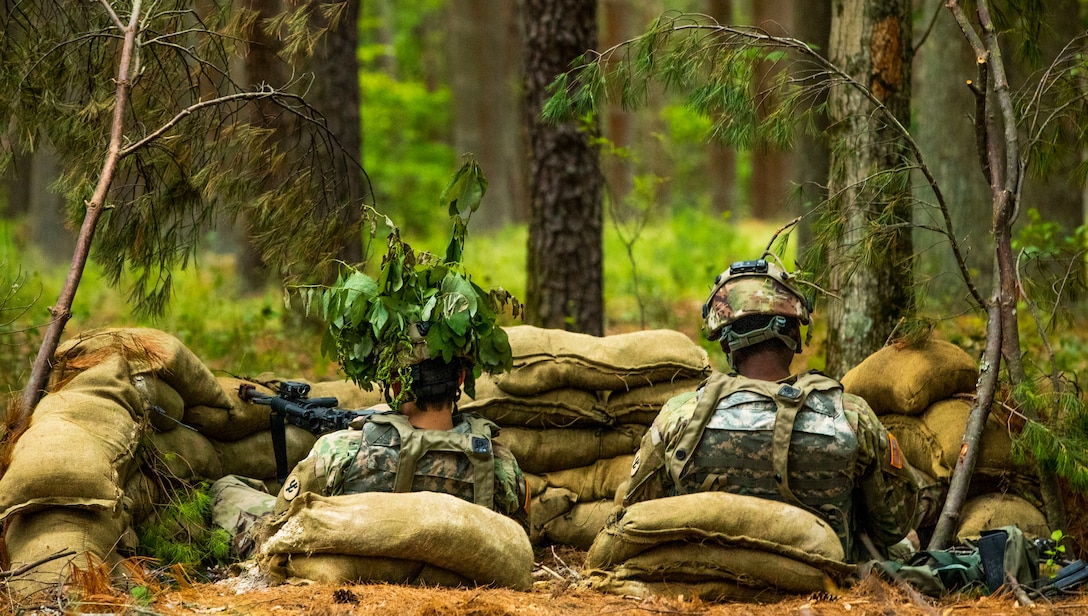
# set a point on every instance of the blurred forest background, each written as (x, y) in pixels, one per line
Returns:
(413, 85)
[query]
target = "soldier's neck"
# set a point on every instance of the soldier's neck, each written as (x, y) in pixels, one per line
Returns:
(764, 366)
(434, 419)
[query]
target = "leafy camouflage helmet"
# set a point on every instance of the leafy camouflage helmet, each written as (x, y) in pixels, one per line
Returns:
(752, 287)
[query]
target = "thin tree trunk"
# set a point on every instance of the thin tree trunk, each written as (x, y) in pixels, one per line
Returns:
(62, 310)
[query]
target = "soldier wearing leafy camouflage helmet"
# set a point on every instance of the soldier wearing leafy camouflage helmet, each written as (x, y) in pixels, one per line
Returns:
(762, 431)
(423, 444)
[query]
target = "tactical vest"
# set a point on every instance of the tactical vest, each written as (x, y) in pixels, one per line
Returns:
(791, 443)
(401, 458)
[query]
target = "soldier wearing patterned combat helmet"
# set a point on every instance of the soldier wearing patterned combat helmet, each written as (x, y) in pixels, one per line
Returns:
(766, 432)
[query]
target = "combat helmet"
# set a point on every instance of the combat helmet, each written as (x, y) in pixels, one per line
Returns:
(756, 287)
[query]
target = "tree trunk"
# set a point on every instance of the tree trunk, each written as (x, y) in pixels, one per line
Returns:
(565, 254)
(812, 24)
(772, 170)
(335, 95)
(486, 96)
(872, 40)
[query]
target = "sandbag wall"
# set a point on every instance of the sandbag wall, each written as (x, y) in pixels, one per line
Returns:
(923, 396)
(131, 415)
(573, 411)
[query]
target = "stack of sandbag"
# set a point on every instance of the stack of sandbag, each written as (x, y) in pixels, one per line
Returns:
(923, 396)
(573, 411)
(131, 415)
(716, 546)
(424, 538)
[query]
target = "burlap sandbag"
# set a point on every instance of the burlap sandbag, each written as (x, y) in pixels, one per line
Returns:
(184, 454)
(908, 380)
(947, 421)
(578, 526)
(338, 568)
(559, 408)
(30, 537)
(991, 511)
(716, 517)
(238, 419)
(348, 395)
(597, 481)
(642, 404)
(80, 445)
(547, 359)
(438, 529)
(147, 351)
(254, 456)
(547, 504)
(682, 562)
(545, 450)
(165, 407)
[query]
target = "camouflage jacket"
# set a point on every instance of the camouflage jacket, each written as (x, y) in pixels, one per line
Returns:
(387, 454)
(837, 459)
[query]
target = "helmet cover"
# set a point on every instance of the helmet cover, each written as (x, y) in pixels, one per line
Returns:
(752, 287)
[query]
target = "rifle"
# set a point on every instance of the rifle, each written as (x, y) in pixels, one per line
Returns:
(291, 405)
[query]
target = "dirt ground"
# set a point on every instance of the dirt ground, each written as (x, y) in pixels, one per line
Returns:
(556, 592)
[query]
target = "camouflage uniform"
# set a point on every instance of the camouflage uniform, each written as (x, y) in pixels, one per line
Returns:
(388, 454)
(739, 435)
(384, 453)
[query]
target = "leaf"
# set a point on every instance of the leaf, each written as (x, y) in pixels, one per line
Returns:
(465, 191)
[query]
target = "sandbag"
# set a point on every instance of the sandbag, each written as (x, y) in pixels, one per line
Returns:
(93, 536)
(547, 504)
(908, 380)
(718, 545)
(990, 511)
(559, 408)
(165, 407)
(337, 568)
(238, 419)
(184, 454)
(931, 441)
(348, 395)
(597, 481)
(254, 456)
(438, 529)
(80, 445)
(543, 450)
(547, 359)
(947, 420)
(642, 404)
(146, 351)
(759, 569)
(578, 526)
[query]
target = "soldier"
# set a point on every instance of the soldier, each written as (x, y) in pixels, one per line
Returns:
(762, 431)
(425, 444)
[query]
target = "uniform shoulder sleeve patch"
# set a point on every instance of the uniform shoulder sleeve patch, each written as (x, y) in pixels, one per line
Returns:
(897, 453)
(291, 488)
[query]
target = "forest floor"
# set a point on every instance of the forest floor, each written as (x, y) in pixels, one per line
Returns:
(555, 593)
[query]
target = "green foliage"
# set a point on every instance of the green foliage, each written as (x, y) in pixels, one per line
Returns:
(371, 321)
(188, 152)
(180, 534)
(712, 65)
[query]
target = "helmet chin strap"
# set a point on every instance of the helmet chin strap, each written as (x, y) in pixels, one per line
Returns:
(772, 330)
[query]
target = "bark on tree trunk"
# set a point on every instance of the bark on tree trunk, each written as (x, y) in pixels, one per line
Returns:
(872, 40)
(565, 255)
